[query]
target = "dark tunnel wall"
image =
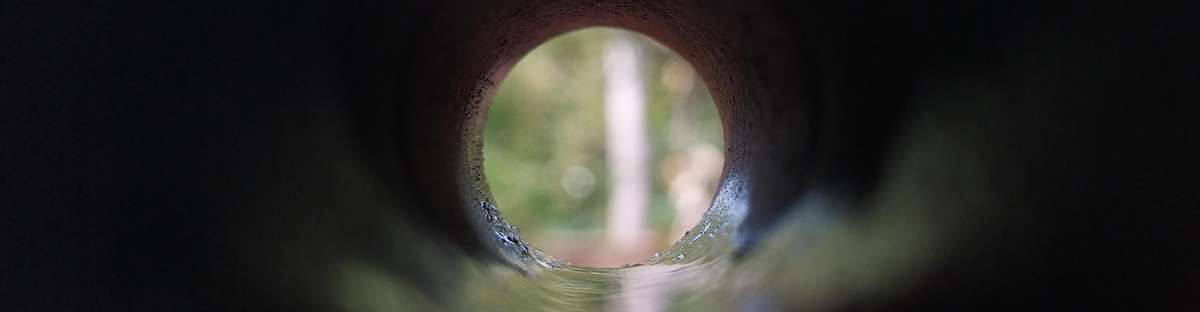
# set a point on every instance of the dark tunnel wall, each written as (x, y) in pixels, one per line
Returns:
(217, 155)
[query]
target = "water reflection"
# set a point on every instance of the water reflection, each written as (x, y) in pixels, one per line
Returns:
(691, 274)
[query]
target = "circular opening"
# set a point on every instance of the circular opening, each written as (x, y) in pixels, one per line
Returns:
(603, 147)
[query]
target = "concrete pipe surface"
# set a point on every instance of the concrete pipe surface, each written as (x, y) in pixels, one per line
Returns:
(326, 155)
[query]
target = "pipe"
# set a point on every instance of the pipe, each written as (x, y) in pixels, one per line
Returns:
(326, 155)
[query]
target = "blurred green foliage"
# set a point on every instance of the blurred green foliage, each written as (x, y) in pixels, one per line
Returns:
(548, 116)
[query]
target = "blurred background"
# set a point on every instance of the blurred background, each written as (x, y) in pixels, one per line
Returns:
(603, 147)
